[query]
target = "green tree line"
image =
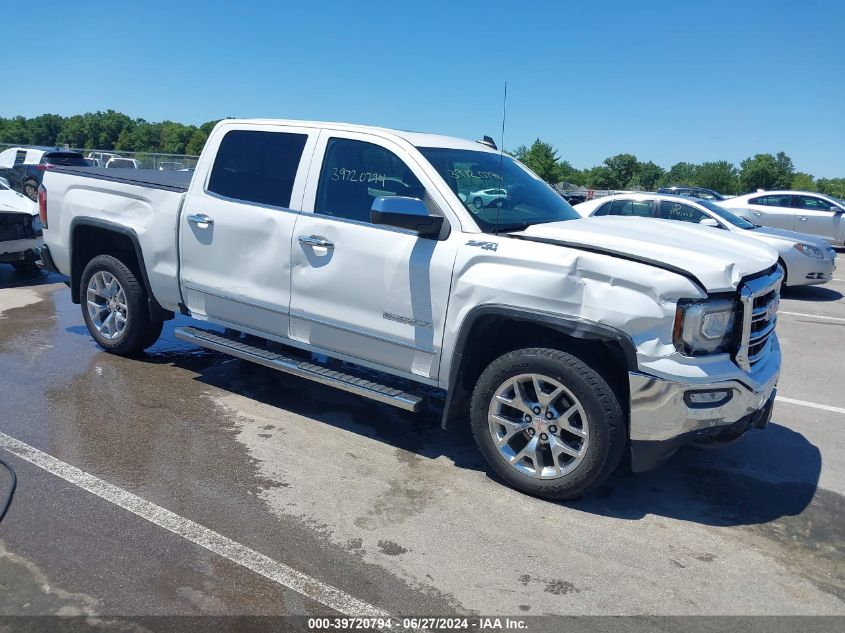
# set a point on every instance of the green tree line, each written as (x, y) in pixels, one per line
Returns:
(112, 130)
(107, 130)
(626, 171)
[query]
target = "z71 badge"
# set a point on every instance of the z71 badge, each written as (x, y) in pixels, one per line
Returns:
(487, 246)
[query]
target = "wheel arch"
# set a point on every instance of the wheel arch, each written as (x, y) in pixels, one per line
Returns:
(90, 237)
(506, 328)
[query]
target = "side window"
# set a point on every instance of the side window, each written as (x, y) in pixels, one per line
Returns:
(355, 173)
(604, 209)
(670, 210)
(257, 166)
(638, 208)
(772, 201)
(20, 156)
(810, 203)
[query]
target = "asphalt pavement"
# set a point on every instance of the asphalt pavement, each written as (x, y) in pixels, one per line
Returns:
(186, 482)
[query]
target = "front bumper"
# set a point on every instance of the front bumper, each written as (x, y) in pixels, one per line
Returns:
(662, 418)
(806, 271)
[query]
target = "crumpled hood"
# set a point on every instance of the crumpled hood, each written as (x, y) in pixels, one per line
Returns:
(13, 202)
(718, 259)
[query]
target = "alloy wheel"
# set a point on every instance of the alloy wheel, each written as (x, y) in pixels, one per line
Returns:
(538, 426)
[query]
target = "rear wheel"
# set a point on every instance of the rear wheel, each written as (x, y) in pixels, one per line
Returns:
(30, 189)
(547, 423)
(114, 306)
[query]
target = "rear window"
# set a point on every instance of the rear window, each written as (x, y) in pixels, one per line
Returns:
(256, 166)
(64, 158)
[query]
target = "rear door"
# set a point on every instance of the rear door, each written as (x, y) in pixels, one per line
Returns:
(813, 216)
(236, 227)
(773, 210)
(372, 293)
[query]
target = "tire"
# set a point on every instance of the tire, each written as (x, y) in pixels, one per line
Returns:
(478, 203)
(30, 190)
(138, 332)
(783, 283)
(594, 430)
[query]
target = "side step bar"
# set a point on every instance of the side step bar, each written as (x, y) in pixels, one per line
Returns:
(298, 367)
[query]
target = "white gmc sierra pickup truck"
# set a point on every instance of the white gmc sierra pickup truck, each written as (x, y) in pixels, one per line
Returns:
(572, 346)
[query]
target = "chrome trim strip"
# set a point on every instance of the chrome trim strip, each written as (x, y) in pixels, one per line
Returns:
(247, 302)
(303, 369)
(351, 330)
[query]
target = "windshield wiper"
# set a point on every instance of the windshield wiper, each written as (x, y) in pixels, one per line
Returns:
(507, 228)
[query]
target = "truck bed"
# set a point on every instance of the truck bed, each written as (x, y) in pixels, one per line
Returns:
(168, 180)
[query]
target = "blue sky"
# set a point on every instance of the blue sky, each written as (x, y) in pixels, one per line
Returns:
(667, 81)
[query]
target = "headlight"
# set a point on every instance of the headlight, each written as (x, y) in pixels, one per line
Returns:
(704, 327)
(809, 250)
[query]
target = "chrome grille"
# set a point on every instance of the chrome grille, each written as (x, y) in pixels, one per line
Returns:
(759, 298)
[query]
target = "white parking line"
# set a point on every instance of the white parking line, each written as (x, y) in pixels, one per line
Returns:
(812, 405)
(195, 533)
(812, 316)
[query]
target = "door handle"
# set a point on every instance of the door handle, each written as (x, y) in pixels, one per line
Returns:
(757, 213)
(200, 218)
(313, 240)
(803, 218)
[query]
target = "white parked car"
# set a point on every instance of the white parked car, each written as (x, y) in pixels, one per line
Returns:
(564, 343)
(20, 228)
(806, 259)
(483, 197)
(122, 163)
(813, 213)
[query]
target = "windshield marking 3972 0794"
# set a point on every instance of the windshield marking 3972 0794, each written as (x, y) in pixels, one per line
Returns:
(499, 192)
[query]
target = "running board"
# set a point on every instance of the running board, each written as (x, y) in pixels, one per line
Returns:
(298, 367)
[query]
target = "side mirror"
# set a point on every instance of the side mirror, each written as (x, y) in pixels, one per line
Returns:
(709, 222)
(406, 213)
(5, 182)
(834, 208)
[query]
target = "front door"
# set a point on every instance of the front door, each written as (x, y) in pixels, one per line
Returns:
(813, 216)
(372, 293)
(236, 228)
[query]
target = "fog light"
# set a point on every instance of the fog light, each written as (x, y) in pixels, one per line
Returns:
(707, 398)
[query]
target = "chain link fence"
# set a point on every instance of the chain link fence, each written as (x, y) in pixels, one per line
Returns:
(125, 160)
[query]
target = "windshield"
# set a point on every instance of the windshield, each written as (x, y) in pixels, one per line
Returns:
(499, 192)
(727, 215)
(70, 160)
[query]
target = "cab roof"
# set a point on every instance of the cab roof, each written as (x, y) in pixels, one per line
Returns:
(417, 139)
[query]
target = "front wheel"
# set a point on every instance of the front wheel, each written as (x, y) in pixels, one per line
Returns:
(547, 423)
(114, 306)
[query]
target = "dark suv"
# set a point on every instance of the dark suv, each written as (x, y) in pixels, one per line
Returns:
(25, 177)
(693, 192)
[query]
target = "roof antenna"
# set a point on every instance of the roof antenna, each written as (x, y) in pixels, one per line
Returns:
(502, 155)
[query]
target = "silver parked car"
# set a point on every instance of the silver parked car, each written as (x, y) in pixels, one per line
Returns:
(813, 213)
(484, 197)
(806, 259)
